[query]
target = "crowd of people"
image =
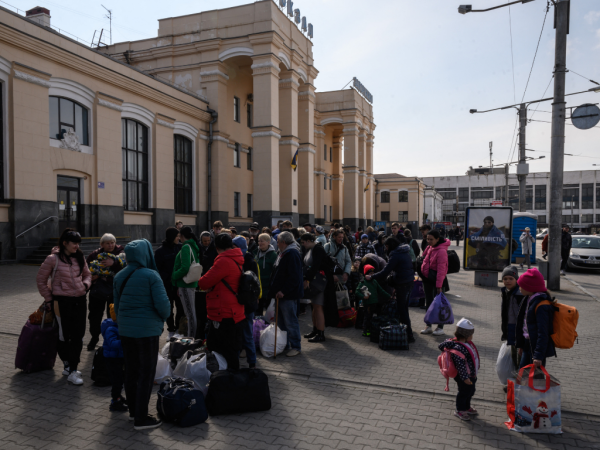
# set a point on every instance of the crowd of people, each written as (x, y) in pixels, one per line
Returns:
(192, 282)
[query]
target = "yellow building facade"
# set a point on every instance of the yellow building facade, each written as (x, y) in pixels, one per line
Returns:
(400, 199)
(204, 122)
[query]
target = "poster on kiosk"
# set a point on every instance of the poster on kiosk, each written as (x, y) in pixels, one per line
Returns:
(487, 238)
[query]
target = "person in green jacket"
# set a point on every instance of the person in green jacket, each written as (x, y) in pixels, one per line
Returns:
(265, 258)
(187, 291)
(370, 298)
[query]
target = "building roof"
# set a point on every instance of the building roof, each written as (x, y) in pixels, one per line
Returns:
(379, 176)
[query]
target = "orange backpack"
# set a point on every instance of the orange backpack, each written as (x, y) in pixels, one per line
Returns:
(564, 324)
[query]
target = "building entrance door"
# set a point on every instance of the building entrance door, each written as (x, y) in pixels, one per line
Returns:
(68, 202)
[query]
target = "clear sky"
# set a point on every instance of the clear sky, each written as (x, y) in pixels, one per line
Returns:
(426, 66)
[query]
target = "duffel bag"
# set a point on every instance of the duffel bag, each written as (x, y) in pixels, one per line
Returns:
(393, 337)
(178, 347)
(347, 318)
(377, 323)
(238, 392)
(178, 402)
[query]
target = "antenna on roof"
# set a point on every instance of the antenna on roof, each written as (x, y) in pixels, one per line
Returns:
(109, 17)
(99, 42)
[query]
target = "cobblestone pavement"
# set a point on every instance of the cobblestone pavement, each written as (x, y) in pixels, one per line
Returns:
(345, 393)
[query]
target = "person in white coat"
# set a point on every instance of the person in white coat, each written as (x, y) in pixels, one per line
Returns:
(527, 243)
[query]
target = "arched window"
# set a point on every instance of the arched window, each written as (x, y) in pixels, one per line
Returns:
(65, 114)
(183, 175)
(135, 165)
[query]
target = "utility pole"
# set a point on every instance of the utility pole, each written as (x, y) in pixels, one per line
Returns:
(109, 17)
(558, 144)
(491, 153)
(506, 188)
(523, 167)
(571, 212)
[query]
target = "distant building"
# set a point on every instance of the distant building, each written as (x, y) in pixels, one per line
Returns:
(399, 199)
(433, 205)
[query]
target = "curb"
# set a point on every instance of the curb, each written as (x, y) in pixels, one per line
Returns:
(581, 288)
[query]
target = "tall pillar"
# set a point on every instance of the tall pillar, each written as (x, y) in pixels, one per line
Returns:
(288, 145)
(351, 171)
(337, 194)
(266, 134)
(362, 179)
(306, 154)
(214, 79)
(317, 181)
(371, 219)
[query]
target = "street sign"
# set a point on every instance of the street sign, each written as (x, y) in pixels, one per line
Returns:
(586, 116)
(496, 202)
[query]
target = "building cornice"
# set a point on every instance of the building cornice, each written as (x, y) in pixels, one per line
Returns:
(265, 133)
(293, 143)
(307, 149)
(110, 105)
(31, 79)
(213, 73)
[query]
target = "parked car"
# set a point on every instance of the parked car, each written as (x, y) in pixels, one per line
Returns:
(542, 234)
(585, 253)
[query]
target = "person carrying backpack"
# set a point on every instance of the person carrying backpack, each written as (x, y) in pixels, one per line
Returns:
(413, 244)
(535, 320)
(465, 358)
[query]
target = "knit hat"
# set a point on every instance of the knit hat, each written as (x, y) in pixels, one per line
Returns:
(368, 268)
(510, 271)
(364, 236)
(532, 281)
(240, 242)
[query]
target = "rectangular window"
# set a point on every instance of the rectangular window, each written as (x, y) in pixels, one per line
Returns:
(325, 213)
(541, 219)
(385, 197)
(236, 156)
(330, 184)
(249, 200)
(331, 213)
(236, 204)
(236, 109)
(597, 218)
(325, 152)
(249, 114)
(135, 165)
(385, 216)
(598, 196)
(566, 218)
(448, 193)
(481, 193)
(570, 196)
(540, 197)
(183, 175)
(403, 196)
(587, 218)
(325, 182)
(500, 192)
(330, 154)
(249, 158)
(463, 194)
(587, 196)
(402, 216)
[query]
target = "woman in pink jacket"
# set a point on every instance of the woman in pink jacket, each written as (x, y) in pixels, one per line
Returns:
(434, 269)
(63, 281)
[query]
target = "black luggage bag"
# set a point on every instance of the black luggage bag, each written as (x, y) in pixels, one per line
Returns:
(238, 392)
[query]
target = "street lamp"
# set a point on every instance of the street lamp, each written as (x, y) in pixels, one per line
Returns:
(463, 9)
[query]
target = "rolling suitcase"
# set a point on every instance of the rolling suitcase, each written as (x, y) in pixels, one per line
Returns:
(37, 347)
(238, 392)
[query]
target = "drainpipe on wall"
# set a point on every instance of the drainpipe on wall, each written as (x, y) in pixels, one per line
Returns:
(214, 115)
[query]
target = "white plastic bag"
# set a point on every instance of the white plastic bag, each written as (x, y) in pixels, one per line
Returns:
(181, 365)
(197, 372)
(165, 350)
(163, 370)
(505, 367)
(270, 314)
(267, 341)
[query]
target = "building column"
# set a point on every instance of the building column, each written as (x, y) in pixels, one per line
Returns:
(337, 194)
(214, 79)
(306, 154)
(351, 178)
(316, 177)
(362, 180)
(266, 134)
(371, 219)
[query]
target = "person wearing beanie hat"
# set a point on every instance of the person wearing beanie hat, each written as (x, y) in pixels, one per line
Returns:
(364, 248)
(370, 292)
(511, 302)
(164, 257)
(534, 322)
(467, 366)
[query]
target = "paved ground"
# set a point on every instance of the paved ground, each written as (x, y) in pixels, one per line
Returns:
(345, 393)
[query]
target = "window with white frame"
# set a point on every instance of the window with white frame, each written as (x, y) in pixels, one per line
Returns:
(2, 121)
(385, 197)
(402, 216)
(135, 165)
(65, 114)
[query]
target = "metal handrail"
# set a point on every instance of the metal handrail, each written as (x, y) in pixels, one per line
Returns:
(36, 225)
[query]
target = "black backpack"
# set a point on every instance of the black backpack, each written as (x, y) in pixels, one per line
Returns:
(100, 374)
(453, 262)
(248, 290)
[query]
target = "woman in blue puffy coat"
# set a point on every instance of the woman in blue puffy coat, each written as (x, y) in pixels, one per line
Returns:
(141, 308)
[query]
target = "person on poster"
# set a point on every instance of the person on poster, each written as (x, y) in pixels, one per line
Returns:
(488, 241)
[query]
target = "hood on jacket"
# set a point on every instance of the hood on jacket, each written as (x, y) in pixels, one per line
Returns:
(139, 253)
(261, 253)
(404, 248)
(106, 324)
(192, 243)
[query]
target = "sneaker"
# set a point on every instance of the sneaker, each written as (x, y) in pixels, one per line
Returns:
(243, 353)
(66, 372)
(92, 345)
(427, 330)
(292, 352)
(310, 335)
(148, 423)
(118, 405)
(562, 272)
(75, 378)
(317, 338)
(472, 412)
(439, 332)
(462, 415)
(545, 256)
(131, 418)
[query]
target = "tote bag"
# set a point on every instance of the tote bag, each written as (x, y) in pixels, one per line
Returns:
(195, 270)
(440, 311)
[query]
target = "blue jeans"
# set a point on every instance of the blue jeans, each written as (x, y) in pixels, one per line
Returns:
(249, 338)
(288, 321)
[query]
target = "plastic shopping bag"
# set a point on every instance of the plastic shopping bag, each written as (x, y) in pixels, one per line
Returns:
(180, 367)
(165, 350)
(440, 311)
(533, 404)
(163, 370)
(267, 341)
(505, 368)
(197, 369)
(257, 327)
(270, 314)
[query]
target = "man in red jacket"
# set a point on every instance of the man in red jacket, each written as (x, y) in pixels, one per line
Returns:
(225, 313)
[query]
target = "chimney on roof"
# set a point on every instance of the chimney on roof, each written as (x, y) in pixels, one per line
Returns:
(39, 15)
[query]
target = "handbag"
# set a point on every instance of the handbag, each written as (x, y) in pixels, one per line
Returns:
(317, 285)
(440, 311)
(195, 270)
(342, 297)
